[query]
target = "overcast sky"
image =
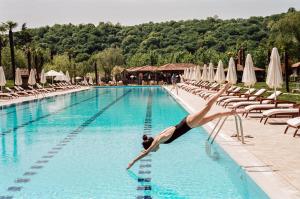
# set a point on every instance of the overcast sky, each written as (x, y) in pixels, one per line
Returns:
(129, 12)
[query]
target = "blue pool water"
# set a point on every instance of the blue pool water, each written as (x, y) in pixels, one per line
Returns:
(77, 146)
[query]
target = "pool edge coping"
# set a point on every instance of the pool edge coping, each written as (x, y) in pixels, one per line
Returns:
(274, 185)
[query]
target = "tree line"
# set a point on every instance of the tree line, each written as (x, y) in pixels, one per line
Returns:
(85, 47)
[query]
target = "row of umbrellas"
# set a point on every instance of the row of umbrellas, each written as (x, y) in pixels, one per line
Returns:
(274, 76)
(58, 76)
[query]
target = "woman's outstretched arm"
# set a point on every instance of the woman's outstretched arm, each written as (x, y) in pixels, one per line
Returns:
(143, 153)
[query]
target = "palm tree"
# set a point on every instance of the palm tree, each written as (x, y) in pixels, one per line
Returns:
(2, 41)
(11, 25)
(25, 38)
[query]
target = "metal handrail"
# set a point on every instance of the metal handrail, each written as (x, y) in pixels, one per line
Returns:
(238, 126)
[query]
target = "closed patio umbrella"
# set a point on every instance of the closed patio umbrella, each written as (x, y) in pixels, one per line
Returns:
(231, 73)
(198, 73)
(211, 73)
(274, 77)
(2, 77)
(68, 79)
(204, 75)
(43, 77)
(249, 78)
(31, 79)
(18, 80)
(220, 75)
(91, 80)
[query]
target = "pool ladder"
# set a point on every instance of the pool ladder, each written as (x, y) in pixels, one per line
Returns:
(238, 125)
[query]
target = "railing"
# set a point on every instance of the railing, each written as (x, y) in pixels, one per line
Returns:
(217, 128)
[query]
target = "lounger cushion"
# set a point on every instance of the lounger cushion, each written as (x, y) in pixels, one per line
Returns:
(295, 122)
(265, 106)
(275, 111)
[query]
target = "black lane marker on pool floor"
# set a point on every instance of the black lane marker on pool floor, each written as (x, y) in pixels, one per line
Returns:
(145, 164)
(44, 116)
(78, 130)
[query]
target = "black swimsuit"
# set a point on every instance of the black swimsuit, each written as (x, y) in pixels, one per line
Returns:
(180, 129)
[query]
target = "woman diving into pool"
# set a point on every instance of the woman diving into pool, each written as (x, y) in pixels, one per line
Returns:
(191, 121)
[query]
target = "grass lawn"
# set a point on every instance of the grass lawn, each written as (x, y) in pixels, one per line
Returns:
(294, 97)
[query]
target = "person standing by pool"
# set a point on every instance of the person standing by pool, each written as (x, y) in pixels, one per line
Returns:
(191, 121)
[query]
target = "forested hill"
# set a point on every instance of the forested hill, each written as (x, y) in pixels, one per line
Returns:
(195, 41)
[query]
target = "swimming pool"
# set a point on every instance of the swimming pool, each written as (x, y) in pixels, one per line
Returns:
(78, 146)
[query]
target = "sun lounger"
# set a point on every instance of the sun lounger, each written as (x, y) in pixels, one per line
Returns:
(248, 97)
(22, 91)
(25, 90)
(267, 100)
(231, 95)
(46, 89)
(13, 93)
(231, 91)
(292, 111)
(6, 95)
(293, 123)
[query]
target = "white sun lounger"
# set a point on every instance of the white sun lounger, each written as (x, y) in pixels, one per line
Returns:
(245, 98)
(288, 110)
(235, 95)
(293, 123)
(261, 101)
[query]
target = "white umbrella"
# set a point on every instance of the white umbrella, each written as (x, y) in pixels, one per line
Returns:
(187, 73)
(52, 73)
(204, 76)
(68, 79)
(31, 79)
(231, 73)
(274, 77)
(249, 77)
(60, 77)
(43, 77)
(220, 75)
(192, 72)
(211, 73)
(184, 73)
(198, 73)
(78, 78)
(18, 80)
(84, 81)
(91, 80)
(2, 77)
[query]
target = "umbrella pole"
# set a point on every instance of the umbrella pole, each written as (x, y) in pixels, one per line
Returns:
(275, 94)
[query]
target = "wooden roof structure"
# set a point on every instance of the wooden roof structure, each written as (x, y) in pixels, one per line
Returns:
(176, 66)
(166, 67)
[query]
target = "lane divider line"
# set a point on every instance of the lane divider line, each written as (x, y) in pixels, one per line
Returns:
(79, 129)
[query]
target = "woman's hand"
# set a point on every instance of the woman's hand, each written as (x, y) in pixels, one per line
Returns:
(129, 165)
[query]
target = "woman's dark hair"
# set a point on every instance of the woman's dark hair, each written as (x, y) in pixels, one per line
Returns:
(147, 141)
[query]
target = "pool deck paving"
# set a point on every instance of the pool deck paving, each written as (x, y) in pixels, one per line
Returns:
(271, 157)
(8, 102)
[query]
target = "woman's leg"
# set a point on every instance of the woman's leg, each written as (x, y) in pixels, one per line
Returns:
(193, 119)
(215, 116)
